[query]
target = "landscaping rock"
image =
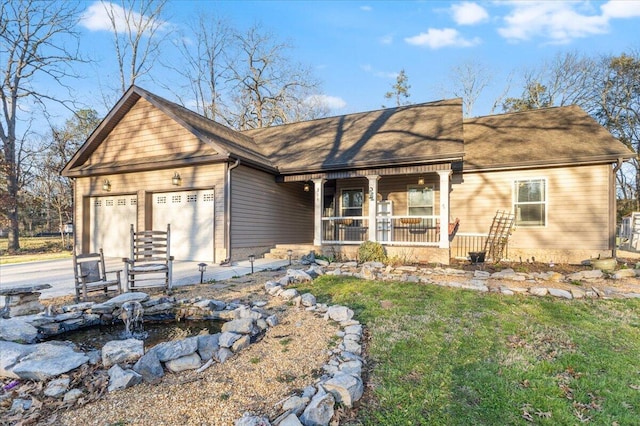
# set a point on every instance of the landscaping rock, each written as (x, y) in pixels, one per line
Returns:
(299, 276)
(149, 367)
(188, 362)
(240, 326)
(208, 345)
(46, 360)
(122, 379)
(227, 339)
(538, 291)
(224, 354)
(17, 330)
(289, 294)
(240, 344)
(57, 387)
(117, 351)
(560, 293)
(167, 351)
(249, 420)
(320, 410)
(72, 395)
(290, 420)
(295, 404)
(345, 388)
(339, 313)
(308, 299)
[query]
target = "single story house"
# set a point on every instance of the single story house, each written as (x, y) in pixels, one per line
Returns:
(398, 176)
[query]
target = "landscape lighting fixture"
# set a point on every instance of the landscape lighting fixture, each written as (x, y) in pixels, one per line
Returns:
(176, 179)
(252, 258)
(202, 267)
(289, 254)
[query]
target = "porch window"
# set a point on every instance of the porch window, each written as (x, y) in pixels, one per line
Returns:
(352, 201)
(420, 202)
(530, 202)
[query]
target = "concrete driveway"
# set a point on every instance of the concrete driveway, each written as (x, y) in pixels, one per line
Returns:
(59, 273)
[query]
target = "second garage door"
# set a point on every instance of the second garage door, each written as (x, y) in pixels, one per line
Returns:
(191, 215)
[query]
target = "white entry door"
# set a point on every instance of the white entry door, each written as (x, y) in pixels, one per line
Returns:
(111, 219)
(191, 215)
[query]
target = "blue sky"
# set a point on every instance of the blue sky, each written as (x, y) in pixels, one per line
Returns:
(357, 48)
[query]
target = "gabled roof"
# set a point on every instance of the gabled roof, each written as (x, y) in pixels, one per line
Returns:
(547, 136)
(416, 134)
(226, 142)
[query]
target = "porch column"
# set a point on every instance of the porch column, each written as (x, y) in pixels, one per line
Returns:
(373, 205)
(444, 207)
(318, 190)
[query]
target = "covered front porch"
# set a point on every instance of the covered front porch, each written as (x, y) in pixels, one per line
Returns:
(404, 207)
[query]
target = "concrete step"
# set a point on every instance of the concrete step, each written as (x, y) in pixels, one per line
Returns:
(297, 251)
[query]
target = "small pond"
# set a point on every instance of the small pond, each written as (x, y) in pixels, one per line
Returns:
(153, 333)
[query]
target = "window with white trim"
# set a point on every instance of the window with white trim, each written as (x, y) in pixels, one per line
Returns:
(530, 202)
(420, 202)
(352, 201)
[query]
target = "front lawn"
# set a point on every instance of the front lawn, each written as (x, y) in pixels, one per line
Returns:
(442, 356)
(33, 249)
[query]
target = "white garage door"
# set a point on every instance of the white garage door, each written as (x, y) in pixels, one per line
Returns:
(191, 215)
(111, 219)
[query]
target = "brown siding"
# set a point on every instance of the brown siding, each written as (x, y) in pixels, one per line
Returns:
(265, 213)
(577, 206)
(142, 184)
(145, 131)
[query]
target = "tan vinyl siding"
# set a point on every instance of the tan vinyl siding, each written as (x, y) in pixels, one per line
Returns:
(265, 213)
(146, 131)
(577, 206)
(142, 185)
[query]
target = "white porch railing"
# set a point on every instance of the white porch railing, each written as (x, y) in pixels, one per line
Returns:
(390, 230)
(345, 229)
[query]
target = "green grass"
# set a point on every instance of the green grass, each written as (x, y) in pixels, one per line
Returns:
(34, 249)
(446, 356)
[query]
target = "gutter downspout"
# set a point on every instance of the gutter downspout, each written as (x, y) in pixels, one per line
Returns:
(614, 210)
(227, 213)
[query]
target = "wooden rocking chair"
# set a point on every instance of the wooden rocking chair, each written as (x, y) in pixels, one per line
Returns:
(151, 263)
(90, 275)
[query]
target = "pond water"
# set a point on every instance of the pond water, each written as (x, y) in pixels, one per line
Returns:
(152, 333)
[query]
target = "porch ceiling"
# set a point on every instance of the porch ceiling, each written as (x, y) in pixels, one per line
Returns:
(389, 171)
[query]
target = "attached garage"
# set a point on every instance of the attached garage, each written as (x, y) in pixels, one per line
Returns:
(111, 219)
(191, 216)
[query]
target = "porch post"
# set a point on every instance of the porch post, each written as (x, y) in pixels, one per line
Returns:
(318, 190)
(373, 205)
(444, 207)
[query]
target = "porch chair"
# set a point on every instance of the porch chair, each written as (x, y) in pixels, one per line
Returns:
(150, 263)
(90, 275)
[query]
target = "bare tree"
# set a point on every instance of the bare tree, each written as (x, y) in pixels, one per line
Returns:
(399, 90)
(35, 39)
(267, 87)
(205, 68)
(469, 79)
(135, 36)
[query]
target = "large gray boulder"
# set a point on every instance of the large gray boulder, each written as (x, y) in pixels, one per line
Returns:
(345, 388)
(117, 351)
(188, 362)
(208, 345)
(45, 361)
(122, 379)
(167, 351)
(338, 313)
(149, 367)
(320, 410)
(17, 330)
(240, 326)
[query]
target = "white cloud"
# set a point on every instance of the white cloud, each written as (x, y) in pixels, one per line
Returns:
(377, 73)
(331, 102)
(436, 39)
(562, 22)
(621, 9)
(96, 17)
(366, 8)
(468, 13)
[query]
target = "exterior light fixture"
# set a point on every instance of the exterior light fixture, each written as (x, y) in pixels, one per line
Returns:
(306, 187)
(252, 258)
(202, 267)
(289, 254)
(176, 180)
(106, 185)
(420, 180)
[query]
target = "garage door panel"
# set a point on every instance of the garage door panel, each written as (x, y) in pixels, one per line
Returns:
(191, 216)
(111, 219)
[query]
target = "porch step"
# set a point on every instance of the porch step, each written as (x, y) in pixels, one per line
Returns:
(297, 251)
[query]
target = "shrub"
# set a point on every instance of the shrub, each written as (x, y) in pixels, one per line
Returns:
(371, 252)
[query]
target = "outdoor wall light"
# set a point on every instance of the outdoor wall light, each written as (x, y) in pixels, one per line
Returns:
(252, 258)
(306, 187)
(289, 254)
(420, 180)
(202, 267)
(106, 185)
(176, 180)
